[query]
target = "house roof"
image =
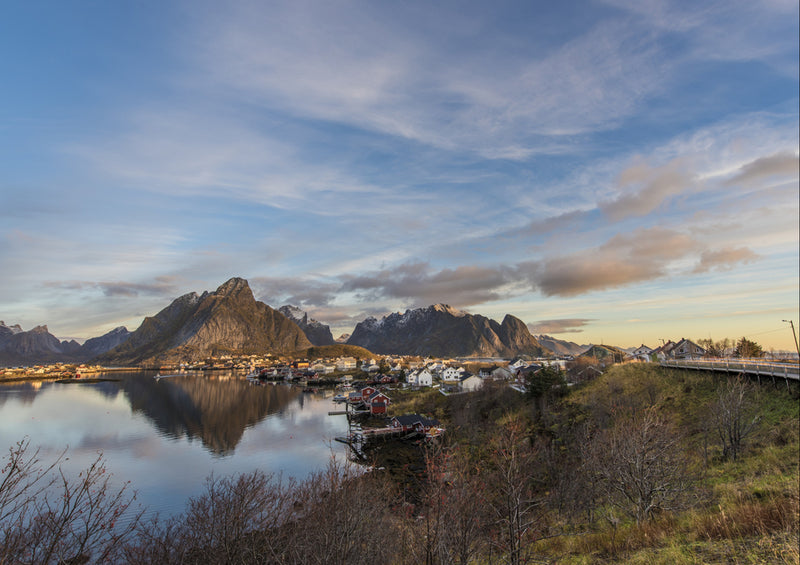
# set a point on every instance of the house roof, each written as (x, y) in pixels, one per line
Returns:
(412, 419)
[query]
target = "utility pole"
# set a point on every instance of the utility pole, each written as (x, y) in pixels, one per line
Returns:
(794, 335)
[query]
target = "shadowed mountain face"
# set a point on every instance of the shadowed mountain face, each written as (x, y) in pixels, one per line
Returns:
(99, 345)
(443, 331)
(561, 347)
(19, 347)
(229, 320)
(316, 332)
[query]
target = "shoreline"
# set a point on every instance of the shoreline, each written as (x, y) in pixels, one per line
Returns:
(25, 376)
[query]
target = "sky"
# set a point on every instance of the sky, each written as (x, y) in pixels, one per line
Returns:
(619, 172)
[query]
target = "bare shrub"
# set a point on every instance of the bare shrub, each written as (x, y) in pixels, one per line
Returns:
(511, 499)
(343, 516)
(47, 516)
(448, 524)
(639, 465)
(734, 415)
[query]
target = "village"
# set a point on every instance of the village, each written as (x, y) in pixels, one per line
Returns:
(451, 375)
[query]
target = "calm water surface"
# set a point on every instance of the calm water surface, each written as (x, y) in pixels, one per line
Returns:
(167, 436)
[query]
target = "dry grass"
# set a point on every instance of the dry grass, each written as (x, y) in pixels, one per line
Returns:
(752, 517)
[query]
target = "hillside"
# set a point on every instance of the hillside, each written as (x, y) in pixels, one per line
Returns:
(336, 350)
(641, 426)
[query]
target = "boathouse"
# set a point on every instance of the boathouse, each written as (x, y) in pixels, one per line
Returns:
(377, 403)
(413, 422)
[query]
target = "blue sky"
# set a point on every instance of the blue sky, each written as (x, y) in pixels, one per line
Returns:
(617, 172)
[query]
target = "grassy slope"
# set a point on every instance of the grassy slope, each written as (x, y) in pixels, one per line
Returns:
(746, 511)
(336, 350)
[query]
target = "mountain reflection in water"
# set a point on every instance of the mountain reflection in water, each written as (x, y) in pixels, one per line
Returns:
(167, 436)
(214, 409)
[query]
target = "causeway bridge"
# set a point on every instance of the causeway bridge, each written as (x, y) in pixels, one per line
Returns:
(751, 367)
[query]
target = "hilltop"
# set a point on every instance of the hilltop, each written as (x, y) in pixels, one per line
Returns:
(336, 350)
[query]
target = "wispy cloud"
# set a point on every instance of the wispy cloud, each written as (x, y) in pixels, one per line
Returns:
(164, 286)
(358, 67)
(779, 165)
(418, 283)
(646, 188)
(566, 325)
(724, 259)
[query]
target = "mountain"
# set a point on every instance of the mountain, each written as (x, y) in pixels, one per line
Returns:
(99, 345)
(316, 332)
(229, 320)
(9, 330)
(561, 347)
(443, 331)
(19, 347)
(343, 338)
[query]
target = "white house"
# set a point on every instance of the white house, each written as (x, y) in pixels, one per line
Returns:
(470, 382)
(518, 364)
(687, 349)
(642, 352)
(421, 377)
(501, 374)
(345, 363)
(450, 374)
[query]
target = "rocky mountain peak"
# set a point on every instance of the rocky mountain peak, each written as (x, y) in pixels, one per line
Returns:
(316, 332)
(447, 309)
(15, 329)
(293, 313)
(233, 286)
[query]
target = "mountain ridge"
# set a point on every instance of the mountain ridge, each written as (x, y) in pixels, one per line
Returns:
(440, 330)
(316, 332)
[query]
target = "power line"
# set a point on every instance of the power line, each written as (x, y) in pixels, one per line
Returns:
(766, 332)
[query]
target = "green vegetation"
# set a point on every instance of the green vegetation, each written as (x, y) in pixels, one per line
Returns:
(748, 349)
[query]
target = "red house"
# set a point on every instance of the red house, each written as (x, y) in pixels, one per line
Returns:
(377, 403)
(366, 392)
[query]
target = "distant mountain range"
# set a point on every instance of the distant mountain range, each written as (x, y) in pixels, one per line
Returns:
(231, 320)
(19, 347)
(442, 331)
(561, 347)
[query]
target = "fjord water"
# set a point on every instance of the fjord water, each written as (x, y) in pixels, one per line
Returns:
(166, 436)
